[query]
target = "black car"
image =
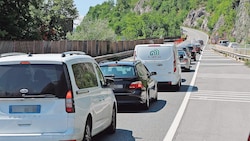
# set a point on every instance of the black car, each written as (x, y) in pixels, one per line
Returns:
(132, 82)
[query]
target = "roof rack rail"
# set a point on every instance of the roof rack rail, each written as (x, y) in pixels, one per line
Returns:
(12, 54)
(73, 52)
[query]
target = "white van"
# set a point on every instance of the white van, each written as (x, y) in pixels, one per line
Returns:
(163, 59)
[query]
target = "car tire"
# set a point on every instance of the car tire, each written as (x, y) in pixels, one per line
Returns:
(156, 96)
(146, 105)
(87, 131)
(112, 127)
(177, 86)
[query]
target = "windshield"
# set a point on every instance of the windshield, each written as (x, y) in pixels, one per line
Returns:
(23, 80)
(118, 71)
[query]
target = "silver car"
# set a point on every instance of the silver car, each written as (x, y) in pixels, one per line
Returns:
(185, 61)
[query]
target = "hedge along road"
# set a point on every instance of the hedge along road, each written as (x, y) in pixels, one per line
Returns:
(218, 106)
(134, 124)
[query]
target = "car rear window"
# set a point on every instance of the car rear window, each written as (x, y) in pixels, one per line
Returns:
(154, 53)
(32, 80)
(118, 71)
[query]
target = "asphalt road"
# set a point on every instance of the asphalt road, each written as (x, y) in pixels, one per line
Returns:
(212, 105)
(219, 108)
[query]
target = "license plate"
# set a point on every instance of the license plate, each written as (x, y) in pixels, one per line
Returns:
(13, 109)
(118, 86)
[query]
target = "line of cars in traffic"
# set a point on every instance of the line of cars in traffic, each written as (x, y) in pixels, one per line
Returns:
(154, 67)
(188, 52)
(229, 44)
(75, 94)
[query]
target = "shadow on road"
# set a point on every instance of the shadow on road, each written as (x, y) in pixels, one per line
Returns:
(184, 88)
(120, 135)
(154, 107)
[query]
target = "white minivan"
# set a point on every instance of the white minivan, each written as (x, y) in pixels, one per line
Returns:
(54, 97)
(163, 59)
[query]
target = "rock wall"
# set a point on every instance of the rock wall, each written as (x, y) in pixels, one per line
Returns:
(241, 29)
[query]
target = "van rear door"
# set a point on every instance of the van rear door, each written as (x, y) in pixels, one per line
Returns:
(158, 59)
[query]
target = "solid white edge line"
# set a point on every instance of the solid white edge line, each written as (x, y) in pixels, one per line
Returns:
(175, 124)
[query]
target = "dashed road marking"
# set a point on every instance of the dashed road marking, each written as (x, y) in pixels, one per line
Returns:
(228, 96)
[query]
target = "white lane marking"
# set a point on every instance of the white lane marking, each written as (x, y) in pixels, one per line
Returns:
(173, 128)
(206, 59)
(222, 100)
(221, 96)
(222, 64)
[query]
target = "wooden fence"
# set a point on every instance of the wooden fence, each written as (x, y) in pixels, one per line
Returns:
(93, 48)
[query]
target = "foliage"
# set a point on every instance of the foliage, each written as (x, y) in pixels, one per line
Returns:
(35, 19)
(92, 30)
(16, 21)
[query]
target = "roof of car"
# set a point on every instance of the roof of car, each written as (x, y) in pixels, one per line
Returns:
(155, 45)
(56, 57)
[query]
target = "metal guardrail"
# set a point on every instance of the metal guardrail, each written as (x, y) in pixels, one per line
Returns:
(237, 53)
(116, 56)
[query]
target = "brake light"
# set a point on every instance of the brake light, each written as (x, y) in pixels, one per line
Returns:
(24, 62)
(136, 85)
(69, 105)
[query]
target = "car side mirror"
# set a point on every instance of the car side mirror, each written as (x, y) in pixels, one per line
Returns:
(108, 81)
(153, 73)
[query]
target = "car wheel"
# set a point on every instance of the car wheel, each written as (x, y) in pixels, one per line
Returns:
(87, 131)
(147, 103)
(112, 127)
(177, 86)
(156, 96)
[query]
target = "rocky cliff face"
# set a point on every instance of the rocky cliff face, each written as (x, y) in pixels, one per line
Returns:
(197, 19)
(140, 8)
(241, 31)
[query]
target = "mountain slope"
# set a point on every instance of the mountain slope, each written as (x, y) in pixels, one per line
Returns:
(139, 19)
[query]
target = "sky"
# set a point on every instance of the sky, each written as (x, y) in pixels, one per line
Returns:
(83, 8)
(83, 5)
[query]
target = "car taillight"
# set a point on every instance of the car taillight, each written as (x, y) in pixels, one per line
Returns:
(69, 105)
(136, 85)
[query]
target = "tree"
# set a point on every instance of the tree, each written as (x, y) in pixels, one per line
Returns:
(36, 19)
(92, 30)
(16, 20)
(59, 16)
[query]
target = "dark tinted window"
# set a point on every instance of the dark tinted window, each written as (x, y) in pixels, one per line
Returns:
(32, 80)
(85, 75)
(118, 70)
